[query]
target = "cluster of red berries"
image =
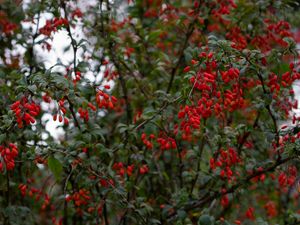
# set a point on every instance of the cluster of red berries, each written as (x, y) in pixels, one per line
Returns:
(46, 98)
(105, 101)
(223, 8)
(225, 160)
(286, 180)
(147, 141)
(250, 213)
(192, 120)
(166, 143)
(128, 51)
(6, 26)
(61, 119)
(281, 28)
(233, 99)
(271, 209)
(208, 99)
(107, 182)
(77, 13)
(8, 154)
(83, 114)
(79, 198)
(260, 177)
(121, 169)
(115, 25)
(77, 76)
(53, 25)
(36, 194)
(273, 34)
(63, 111)
(110, 75)
(225, 198)
(25, 111)
(273, 83)
(144, 169)
(239, 41)
(287, 79)
(231, 74)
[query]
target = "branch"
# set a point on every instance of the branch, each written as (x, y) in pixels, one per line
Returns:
(161, 109)
(198, 162)
(247, 134)
(208, 198)
(73, 41)
(31, 50)
(122, 82)
(268, 106)
(189, 33)
(71, 107)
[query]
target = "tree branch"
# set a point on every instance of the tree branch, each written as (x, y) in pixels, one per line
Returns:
(189, 33)
(208, 198)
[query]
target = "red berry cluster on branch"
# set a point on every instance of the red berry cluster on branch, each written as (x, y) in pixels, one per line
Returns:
(37, 195)
(53, 25)
(121, 169)
(6, 26)
(226, 160)
(212, 99)
(8, 154)
(62, 111)
(147, 141)
(166, 143)
(285, 180)
(250, 213)
(107, 182)
(81, 200)
(271, 209)
(81, 197)
(83, 114)
(25, 111)
(103, 100)
(77, 13)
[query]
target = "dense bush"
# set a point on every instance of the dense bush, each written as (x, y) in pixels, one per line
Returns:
(168, 112)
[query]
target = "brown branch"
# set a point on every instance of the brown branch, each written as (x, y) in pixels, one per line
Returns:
(71, 107)
(122, 82)
(268, 106)
(199, 160)
(74, 46)
(208, 198)
(105, 213)
(73, 41)
(247, 134)
(189, 33)
(161, 109)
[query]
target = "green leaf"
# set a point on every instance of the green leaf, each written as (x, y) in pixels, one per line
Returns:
(56, 167)
(2, 138)
(18, 215)
(205, 220)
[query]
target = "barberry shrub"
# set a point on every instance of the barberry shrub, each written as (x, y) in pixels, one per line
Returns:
(166, 112)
